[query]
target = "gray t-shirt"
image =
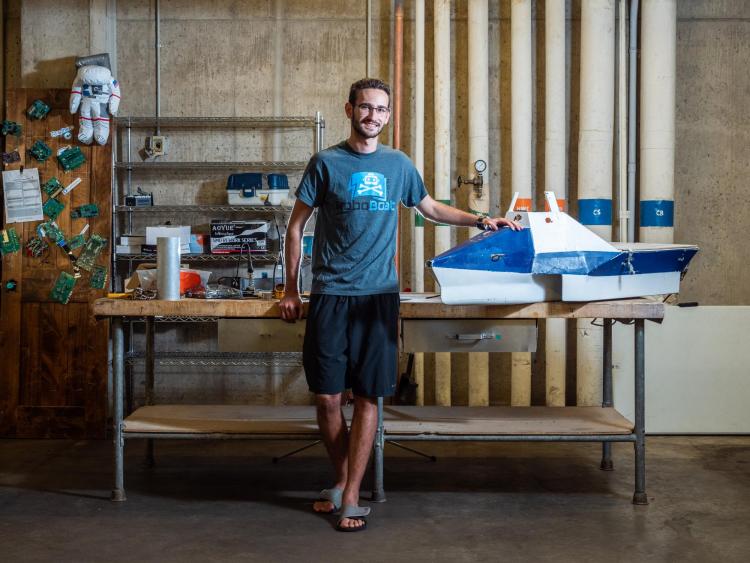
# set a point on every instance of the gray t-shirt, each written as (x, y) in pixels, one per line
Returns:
(355, 232)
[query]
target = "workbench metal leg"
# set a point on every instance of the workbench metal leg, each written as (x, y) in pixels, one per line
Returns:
(639, 496)
(118, 360)
(378, 491)
(606, 464)
(150, 368)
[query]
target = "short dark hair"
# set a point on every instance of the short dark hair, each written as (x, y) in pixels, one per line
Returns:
(365, 83)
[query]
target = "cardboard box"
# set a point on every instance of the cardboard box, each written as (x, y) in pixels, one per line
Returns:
(228, 237)
(154, 232)
(128, 249)
(133, 240)
(198, 243)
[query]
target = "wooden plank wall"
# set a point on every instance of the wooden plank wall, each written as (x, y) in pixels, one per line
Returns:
(53, 373)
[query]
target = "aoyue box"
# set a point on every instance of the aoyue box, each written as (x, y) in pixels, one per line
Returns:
(228, 237)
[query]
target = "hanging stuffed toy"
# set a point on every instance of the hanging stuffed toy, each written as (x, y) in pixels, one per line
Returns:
(97, 94)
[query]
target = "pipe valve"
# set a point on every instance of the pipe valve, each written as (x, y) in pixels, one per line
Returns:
(477, 181)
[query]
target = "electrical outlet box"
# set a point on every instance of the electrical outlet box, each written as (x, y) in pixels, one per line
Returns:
(156, 146)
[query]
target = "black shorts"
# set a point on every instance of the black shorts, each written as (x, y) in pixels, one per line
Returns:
(351, 341)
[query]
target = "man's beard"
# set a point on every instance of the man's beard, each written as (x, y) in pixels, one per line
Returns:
(364, 132)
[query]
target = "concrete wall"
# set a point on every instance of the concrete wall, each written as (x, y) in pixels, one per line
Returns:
(292, 57)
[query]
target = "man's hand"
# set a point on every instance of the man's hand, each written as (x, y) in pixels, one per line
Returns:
(291, 307)
(496, 223)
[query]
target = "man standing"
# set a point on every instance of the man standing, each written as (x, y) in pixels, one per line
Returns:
(352, 322)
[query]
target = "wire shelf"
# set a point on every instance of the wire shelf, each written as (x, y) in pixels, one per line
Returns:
(267, 257)
(213, 165)
(172, 319)
(254, 122)
(207, 208)
(215, 359)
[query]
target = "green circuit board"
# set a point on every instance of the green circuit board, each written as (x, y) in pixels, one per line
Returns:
(85, 211)
(52, 187)
(11, 128)
(98, 277)
(52, 232)
(40, 151)
(52, 208)
(71, 159)
(63, 288)
(91, 250)
(9, 241)
(76, 242)
(37, 110)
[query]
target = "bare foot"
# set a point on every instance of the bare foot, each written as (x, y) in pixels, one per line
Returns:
(351, 523)
(323, 506)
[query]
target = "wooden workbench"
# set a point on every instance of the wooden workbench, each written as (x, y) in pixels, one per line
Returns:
(591, 424)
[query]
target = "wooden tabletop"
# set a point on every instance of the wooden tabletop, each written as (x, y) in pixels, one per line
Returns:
(413, 306)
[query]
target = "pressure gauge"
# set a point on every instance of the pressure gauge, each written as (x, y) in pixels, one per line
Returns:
(480, 166)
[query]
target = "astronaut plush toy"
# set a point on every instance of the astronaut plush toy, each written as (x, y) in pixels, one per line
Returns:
(97, 94)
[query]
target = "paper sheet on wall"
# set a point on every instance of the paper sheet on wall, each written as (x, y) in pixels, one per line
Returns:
(23, 196)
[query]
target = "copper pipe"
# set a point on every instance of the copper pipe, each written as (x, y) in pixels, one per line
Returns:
(398, 57)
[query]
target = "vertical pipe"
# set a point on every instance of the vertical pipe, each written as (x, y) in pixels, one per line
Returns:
(118, 361)
(157, 62)
(658, 78)
(150, 377)
(521, 174)
(442, 105)
(479, 203)
(3, 56)
(129, 189)
(632, 113)
(378, 489)
(625, 214)
(639, 496)
(596, 116)
(398, 57)
(278, 77)
(368, 35)
(606, 463)
(318, 132)
(418, 233)
(555, 168)
(595, 144)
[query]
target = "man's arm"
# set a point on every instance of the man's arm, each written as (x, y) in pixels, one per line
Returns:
(441, 213)
(291, 304)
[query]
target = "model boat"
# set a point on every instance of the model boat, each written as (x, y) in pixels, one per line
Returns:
(555, 258)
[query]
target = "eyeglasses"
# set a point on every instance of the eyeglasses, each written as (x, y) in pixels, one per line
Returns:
(367, 108)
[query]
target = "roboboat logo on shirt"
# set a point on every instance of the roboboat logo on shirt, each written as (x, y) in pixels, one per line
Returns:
(368, 191)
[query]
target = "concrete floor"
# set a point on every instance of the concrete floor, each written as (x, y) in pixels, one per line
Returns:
(480, 502)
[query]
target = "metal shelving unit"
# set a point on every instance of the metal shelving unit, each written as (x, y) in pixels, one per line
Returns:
(126, 167)
(129, 166)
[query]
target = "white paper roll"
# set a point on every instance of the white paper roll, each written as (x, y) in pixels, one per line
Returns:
(168, 268)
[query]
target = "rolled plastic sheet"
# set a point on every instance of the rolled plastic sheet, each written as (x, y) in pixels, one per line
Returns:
(168, 268)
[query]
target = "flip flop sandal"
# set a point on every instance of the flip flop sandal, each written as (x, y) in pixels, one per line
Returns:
(353, 513)
(330, 495)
